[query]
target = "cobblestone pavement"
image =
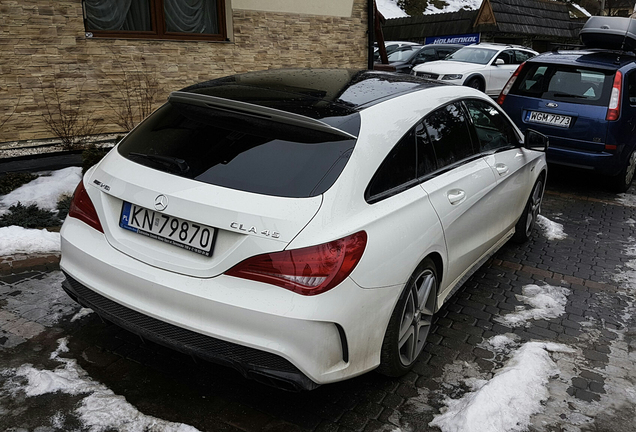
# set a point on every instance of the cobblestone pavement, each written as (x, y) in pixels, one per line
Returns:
(594, 391)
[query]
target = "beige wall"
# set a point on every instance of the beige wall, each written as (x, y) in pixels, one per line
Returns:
(42, 41)
(339, 8)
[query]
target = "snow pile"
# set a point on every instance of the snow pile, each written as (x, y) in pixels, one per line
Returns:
(101, 410)
(501, 343)
(81, 314)
(509, 399)
(552, 230)
(547, 302)
(453, 6)
(390, 9)
(15, 239)
(45, 191)
(627, 200)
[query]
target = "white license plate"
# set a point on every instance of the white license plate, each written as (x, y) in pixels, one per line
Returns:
(187, 235)
(551, 119)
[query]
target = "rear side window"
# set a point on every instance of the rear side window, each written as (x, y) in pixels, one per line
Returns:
(397, 169)
(241, 152)
(565, 83)
(449, 134)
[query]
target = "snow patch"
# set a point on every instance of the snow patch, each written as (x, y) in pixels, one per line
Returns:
(507, 401)
(100, 410)
(45, 190)
(627, 200)
(552, 230)
(453, 6)
(81, 314)
(501, 343)
(390, 9)
(547, 302)
(15, 239)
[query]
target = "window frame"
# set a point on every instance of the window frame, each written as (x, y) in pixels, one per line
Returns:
(158, 23)
(372, 199)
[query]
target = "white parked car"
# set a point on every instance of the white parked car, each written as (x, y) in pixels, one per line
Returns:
(485, 66)
(301, 226)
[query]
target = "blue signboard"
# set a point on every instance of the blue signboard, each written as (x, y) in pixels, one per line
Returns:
(465, 39)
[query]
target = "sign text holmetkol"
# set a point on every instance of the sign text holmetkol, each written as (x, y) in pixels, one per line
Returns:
(465, 39)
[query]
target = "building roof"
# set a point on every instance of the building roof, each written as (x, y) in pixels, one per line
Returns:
(531, 17)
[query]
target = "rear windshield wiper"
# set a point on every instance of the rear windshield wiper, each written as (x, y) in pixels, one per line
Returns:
(569, 95)
(166, 161)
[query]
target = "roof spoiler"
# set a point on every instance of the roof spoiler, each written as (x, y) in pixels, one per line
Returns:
(258, 111)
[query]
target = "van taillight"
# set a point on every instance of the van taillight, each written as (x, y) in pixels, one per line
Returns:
(614, 108)
(82, 208)
(307, 271)
(511, 81)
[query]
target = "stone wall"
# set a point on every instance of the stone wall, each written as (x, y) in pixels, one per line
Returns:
(43, 48)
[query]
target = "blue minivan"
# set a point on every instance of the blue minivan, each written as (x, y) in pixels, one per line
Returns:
(585, 102)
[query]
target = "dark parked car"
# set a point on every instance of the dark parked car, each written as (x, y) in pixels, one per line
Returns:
(405, 58)
(585, 101)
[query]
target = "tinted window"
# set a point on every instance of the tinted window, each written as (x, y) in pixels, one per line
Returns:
(492, 128)
(449, 134)
(426, 162)
(565, 83)
(398, 168)
(426, 55)
(239, 151)
(521, 56)
(507, 56)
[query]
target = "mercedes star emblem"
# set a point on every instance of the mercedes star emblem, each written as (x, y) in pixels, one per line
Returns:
(161, 202)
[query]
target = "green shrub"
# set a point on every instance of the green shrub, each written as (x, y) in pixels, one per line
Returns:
(28, 217)
(12, 181)
(63, 206)
(91, 155)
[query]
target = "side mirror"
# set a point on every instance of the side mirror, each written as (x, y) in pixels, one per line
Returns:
(499, 62)
(535, 141)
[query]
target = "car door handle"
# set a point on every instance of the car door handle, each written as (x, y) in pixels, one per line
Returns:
(501, 168)
(455, 196)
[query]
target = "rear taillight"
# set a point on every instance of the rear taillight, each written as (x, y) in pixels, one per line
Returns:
(82, 208)
(511, 81)
(614, 108)
(307, 271)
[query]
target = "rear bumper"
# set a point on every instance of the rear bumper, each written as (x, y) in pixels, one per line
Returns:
(601, 162)
(266, 332)
(258, 365)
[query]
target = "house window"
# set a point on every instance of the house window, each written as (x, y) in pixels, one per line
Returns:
(155, 19)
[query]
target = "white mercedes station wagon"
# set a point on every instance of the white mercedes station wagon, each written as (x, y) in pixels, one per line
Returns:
(301, 226)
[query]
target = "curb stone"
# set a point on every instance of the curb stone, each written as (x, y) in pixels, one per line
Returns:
(20, 263)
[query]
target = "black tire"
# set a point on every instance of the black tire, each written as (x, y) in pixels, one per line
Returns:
(528, 219)
(410, 322)
(475, 83)
(621, 182)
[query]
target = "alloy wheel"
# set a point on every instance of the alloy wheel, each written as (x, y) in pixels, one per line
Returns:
(534, 207)
(417, 317)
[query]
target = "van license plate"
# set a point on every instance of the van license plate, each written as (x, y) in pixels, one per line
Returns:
(547, 118)
(187, 235)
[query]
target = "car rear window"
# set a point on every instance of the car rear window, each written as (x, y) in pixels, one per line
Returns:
(565, 83)
(242, 152)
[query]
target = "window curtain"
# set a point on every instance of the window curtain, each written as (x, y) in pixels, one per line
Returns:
(131, 15)
(191, 16)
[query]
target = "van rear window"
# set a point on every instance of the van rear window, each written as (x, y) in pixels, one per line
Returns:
(241, 152)
(565, 83)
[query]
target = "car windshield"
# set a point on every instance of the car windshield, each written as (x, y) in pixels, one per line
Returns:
(565, 83)
(402, 55)
(472, 55)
